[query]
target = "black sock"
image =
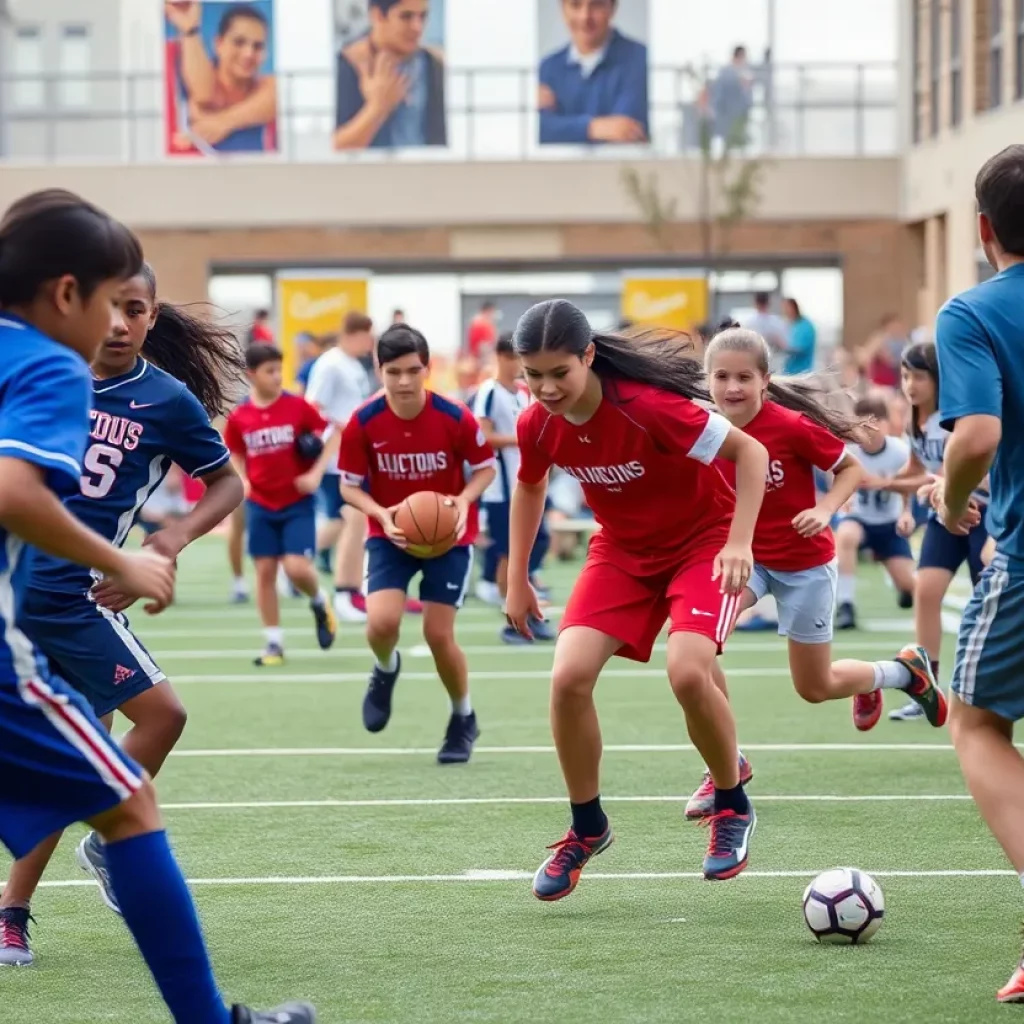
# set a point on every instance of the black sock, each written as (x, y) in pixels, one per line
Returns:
(588, 820)
(734, 799)
(935, 670)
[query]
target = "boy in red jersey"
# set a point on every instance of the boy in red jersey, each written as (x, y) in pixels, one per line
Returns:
(404, 440)
(265, 437)
(619, 416)
(794, 549)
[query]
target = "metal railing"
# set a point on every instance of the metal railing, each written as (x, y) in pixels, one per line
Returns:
(118, 117)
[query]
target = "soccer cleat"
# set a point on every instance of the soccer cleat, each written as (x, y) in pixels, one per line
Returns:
(541, 630)
(923, 688)
(14, 947)
(377, 702)
(908, 713)
(1011, 992)
(846, 616)
(558, 875)
(93, 861)
(729, 844)
(702, 803)
(867, 710)
(511, 636)
(459, 738)
(290, 1013)
(326, 625)
(273, 654)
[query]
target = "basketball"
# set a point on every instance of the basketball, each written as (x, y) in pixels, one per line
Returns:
(428, 521)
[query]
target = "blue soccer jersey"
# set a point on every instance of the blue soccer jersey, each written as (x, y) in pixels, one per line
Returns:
(142, 422)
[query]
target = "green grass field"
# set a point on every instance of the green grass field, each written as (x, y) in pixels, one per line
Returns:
(354, 871)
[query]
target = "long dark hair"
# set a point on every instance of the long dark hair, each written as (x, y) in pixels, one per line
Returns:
(206, 358)
(662, 359)
(803, 394)
(53, 233)
(923, 356)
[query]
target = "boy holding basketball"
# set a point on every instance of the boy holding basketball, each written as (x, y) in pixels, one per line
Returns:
(401, 442)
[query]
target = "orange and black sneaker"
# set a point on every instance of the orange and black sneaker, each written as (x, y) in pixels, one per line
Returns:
(923, 688)
(867, 710)
(558, 875)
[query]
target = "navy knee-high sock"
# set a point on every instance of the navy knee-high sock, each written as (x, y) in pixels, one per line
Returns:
(159, 912)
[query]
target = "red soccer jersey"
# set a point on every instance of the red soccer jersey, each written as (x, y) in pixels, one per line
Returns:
(265, 438)
(644, 461)
(400, 457)
(796, 446)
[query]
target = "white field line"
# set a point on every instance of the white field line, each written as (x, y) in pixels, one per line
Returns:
(299, 612)
(284, 676)
(816, 798)
(515, 875)
(611, 748)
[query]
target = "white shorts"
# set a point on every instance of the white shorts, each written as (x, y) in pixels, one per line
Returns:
(806, 600)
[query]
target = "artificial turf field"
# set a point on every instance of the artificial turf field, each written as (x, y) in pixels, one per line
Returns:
(352, 870)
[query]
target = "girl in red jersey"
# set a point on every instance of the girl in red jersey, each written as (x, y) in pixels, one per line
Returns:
(619, 416)
(794, 549)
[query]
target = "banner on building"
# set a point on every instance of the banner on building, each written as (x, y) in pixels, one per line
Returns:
(314, 304)
(593, 73)
(678, 303)
(220, 85)
(389, 62)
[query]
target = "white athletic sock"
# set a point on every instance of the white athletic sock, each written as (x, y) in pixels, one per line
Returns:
(891, 675)
(462, 706)
(392, 662)
(241, 587)
(847, 589)
(319, 600)
(274, 635)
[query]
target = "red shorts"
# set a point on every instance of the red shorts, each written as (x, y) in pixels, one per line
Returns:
(633, 609)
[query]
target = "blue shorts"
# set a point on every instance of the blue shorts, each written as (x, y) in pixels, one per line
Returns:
(58, 765)
(445, 579)
(329, 502)
(941, 549)
(288, 531)
(497, 525)
(882, 540)
(989, 669)
(89, 647)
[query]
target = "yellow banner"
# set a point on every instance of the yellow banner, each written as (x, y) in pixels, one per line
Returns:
(679, 303)
(314, 305)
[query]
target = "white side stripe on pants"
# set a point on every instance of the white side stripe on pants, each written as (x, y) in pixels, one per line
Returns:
(726, 617)
(982, 626)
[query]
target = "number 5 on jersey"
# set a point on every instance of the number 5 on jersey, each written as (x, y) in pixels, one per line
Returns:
(99, 470)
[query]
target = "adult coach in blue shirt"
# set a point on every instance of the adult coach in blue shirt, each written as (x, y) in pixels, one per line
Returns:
(980, 340)
(594, 89)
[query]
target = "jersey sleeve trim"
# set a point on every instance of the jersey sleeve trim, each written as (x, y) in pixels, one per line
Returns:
(710, 442)
(351, 479)
(482, 465)
(211, 466)
(40, 456)
(843, 454)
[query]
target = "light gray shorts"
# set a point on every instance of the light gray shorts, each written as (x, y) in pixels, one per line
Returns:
(805, 599)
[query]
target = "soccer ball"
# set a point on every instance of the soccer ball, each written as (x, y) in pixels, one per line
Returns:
(844, 905)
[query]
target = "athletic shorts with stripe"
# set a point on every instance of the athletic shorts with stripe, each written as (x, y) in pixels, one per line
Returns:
(989, 668)
(89, 647)
(633, 609)
(58, 765)
(806, 600)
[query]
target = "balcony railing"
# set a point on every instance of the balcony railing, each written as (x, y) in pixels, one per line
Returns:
(798, 110)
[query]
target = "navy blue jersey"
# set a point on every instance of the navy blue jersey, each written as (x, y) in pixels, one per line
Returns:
(44, 419)
(142, 421)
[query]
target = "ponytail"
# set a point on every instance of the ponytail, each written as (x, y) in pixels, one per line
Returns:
(662, 359)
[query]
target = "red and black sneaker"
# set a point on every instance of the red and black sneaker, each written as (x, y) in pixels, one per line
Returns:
(558, 875)
(867, 710)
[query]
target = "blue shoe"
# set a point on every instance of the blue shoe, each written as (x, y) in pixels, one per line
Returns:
(514, 638)
(377, 702)
(728, 846)
(93, 861)
(542, 630)
(558, 875)
(757, 625)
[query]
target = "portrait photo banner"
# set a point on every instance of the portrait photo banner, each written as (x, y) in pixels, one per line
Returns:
(593, 73)
(389, 74)
(677, 303)
(314, 304)
(220, 81)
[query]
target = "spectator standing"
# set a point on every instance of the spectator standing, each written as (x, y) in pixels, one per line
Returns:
(881, 355)
(483, 332)
(307, 348)
(803, 339)
(731, 100)
(769, 325)
(261, 333)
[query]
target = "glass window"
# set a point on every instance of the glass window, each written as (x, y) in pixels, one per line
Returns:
(75, 63)
(935, 63)
(915, 63)
(1018, 22)
(995, 53)
(956, 76)
(29, 86)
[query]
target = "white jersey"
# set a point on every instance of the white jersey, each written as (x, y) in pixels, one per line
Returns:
(879, 508)
(338, 385)
(502, 407)
(930, 447)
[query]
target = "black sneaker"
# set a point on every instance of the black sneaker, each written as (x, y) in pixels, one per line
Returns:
(906, 599)
(846, 617)
(14, 946)
(461, 734)
(290, 1013)
(326, 624)
(377, 702)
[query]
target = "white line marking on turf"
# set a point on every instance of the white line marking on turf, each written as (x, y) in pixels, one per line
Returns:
(288, 678)
(759, 798)
(513, 875)
(611, 748)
